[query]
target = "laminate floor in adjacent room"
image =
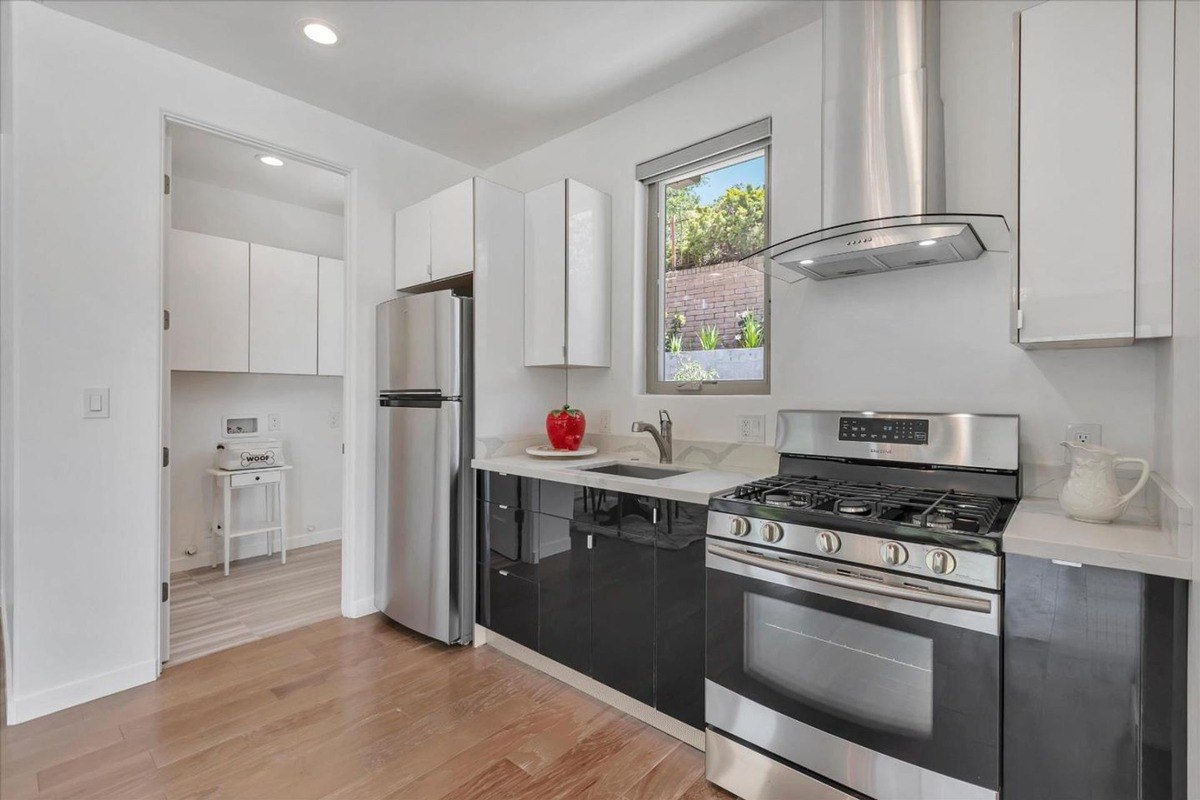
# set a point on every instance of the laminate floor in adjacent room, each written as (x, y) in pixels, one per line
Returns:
(260, 598)
(352, 710)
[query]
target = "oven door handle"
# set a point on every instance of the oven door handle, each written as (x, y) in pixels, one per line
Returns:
(857, 584)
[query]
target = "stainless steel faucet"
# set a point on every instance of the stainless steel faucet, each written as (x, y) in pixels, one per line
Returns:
(663, 439)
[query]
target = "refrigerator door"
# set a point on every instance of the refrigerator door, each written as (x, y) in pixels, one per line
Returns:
(419, 515)
(418, 345)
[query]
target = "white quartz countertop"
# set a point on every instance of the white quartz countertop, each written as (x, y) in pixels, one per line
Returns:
(1040, 528)
(695, 485)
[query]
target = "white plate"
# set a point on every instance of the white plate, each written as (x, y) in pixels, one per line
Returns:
(546, 451)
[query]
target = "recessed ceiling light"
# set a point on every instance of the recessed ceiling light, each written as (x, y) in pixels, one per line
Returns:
(806, 262)
(927, 242)
(270, 161)
(320, 32)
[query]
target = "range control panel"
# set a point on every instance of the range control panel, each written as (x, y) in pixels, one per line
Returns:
(883, 429)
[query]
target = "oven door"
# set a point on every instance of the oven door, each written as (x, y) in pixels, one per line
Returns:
(886, 684)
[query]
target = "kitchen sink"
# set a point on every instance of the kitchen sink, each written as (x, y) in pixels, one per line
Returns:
(636, 471)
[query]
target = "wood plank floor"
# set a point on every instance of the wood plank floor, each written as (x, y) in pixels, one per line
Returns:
(261, 597)
(352, 710)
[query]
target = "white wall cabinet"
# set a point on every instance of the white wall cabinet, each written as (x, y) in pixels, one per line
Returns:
(568, 276)
(283, 311)
(413, 264)
(209, 279)
(1093, 257)
(331, 316)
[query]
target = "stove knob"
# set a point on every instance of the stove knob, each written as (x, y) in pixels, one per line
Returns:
(771, 532)
(828, 542)
(739, 526)
(940, 562)
(893, 554)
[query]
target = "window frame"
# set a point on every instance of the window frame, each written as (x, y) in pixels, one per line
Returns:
(655, 197)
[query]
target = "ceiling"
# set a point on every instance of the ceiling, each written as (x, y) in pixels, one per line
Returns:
(206, 157)
(477, 81)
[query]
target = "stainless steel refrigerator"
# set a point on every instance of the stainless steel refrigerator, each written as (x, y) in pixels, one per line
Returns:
(425, 497)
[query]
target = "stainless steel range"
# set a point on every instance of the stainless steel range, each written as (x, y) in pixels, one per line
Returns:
(853, 607)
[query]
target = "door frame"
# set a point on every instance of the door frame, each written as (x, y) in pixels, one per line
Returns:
(351, 377)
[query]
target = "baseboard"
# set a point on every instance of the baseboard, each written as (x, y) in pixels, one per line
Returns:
(605, 694)
(252, 547)
(361, 607)
(57, 698)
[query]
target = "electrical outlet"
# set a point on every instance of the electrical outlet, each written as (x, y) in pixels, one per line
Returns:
(274, 423)
(751, 428)
(335, 419)
(1083, 433)
(601, 421)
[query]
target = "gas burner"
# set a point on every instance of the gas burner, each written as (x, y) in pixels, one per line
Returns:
(801, 500)
(939, 521)
(777, 499)
(853, 508)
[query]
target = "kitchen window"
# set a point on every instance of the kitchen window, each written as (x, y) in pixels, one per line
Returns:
(707, 314)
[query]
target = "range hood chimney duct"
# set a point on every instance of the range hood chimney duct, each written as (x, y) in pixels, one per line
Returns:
(883, 180)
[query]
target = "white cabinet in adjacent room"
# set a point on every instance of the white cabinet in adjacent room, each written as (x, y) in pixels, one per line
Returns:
(413, 265)
(1093, 254)
(209, 278)
(283, 311)
(452, 231)
(331, 316)
(568, 269)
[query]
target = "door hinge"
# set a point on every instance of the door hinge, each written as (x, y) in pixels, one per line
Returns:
(1020, 319)
(166, 184)
(166, 456)
(166, 319)
(590, 541)
(166, 591)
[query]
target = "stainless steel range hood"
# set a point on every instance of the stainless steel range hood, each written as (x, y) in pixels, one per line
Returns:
(883, 181)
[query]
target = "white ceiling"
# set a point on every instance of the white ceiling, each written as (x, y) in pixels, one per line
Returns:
(478, 81)
(209, 158)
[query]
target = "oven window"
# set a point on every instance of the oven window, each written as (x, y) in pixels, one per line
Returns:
(857, 670)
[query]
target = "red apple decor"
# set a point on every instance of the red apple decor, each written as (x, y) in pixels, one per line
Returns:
(565, 428)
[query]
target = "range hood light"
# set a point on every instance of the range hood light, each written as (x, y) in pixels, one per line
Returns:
(806, 261)
(927, 242)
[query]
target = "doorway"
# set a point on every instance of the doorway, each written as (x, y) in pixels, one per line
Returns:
(255, 347)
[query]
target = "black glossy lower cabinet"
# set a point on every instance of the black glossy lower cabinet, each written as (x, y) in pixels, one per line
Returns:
(1094, 683)
(679, 612)
(513, 607)
(623, 612)
(565, 591)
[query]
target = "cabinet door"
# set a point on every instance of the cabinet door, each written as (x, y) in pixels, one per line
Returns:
(589, 290)
(1076, 172)
(545, 276)
(565, 588)
(623, 613)
(283, 311)
(452, 231)
(510, 539)
(209, 279)
(513, 607)
(412, 245)
(331, 316)
(679, 612)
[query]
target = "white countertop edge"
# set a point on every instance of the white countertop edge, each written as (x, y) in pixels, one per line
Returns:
(696, 485)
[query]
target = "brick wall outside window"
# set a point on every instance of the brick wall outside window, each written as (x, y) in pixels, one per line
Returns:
(713, 295)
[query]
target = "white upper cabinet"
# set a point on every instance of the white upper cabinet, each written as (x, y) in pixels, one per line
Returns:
(413, 264)
(209, 280)
(283, 311)
(1093, 261)
(331, 316)
(452, 231)
(568, 269)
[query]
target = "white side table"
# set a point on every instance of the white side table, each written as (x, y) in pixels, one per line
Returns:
(274, 507)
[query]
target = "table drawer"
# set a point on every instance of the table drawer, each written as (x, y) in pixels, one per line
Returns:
(253, 479)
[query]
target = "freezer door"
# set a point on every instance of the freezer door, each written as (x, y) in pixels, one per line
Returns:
(419, 344)
(419, 517)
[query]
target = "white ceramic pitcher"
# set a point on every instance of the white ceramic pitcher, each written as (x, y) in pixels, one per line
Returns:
(1091, 493)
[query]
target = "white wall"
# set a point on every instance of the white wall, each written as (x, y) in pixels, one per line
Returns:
(304, 402)
(933, 339)
(7, 386)
(217, 211)
(87, 106)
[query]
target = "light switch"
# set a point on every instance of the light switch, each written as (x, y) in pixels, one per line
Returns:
(95, 402)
